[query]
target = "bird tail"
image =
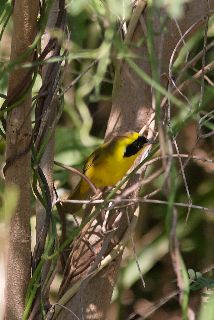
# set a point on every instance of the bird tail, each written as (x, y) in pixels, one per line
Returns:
(79, 193)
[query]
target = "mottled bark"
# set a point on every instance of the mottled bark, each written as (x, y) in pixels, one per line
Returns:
(18, 158)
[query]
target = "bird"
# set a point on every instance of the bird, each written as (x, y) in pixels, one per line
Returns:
(108, 164)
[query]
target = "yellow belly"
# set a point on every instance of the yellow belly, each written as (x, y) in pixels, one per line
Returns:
(110, 174)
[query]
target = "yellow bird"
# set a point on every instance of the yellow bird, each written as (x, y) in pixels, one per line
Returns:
(108, 164)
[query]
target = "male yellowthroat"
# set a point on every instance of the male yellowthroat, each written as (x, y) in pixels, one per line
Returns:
(108, 164)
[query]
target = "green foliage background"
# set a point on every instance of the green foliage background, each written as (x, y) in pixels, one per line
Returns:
(95, 33)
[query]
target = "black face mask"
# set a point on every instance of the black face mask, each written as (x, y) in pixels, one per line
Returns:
(135, 146)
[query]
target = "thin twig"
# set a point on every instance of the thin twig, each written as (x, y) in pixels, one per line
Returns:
(203, 62)
(142, 200)
(188, 31)
(134, 250)
(90, 66)
(181, 155)
(209, 67)
(184, 179)
(193, 61)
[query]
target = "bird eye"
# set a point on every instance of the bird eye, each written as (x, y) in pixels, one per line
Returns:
(139, 144)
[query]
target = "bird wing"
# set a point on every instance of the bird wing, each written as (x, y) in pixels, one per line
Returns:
(98, 154)
(91, 160)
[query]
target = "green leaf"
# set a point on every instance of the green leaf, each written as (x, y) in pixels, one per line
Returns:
(207, 309)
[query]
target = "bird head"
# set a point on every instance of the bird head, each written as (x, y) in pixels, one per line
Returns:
(137, 143)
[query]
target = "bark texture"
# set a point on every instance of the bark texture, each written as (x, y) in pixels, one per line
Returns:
(18, 158)
(131, 110)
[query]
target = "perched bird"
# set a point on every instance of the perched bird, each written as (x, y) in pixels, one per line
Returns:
(108, 164)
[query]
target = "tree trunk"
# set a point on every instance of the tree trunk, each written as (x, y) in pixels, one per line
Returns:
(18, 160)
